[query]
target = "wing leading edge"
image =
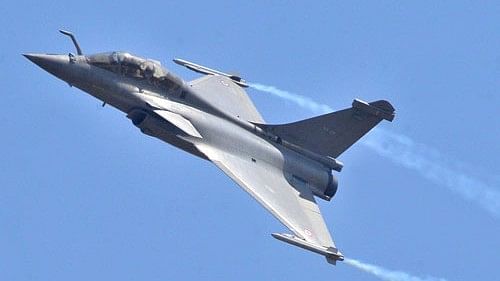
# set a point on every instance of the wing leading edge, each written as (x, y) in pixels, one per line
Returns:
(295, 207)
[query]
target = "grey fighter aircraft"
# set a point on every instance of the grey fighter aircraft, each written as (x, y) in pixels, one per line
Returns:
(284, 167)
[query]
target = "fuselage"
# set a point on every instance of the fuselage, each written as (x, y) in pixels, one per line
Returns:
(280, 165)
(138, 86)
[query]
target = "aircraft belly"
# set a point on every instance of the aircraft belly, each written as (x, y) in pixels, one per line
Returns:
(230, 137)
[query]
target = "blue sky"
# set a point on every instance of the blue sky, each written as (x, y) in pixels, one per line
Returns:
(83, 195)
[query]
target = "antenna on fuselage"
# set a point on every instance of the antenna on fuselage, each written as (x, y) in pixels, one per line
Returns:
(77, 46)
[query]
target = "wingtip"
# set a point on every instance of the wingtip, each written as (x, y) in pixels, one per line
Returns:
(334, 256)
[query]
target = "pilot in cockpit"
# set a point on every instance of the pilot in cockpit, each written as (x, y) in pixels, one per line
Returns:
(138, 68)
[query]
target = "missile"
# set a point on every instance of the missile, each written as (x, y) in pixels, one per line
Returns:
(208, 71)
(332, 254)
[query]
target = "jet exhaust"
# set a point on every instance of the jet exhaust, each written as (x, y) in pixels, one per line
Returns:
(386, 274)
(405, 152)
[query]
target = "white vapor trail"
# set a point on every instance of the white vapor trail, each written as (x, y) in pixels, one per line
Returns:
(302, 101)
(385, 274)
(404, 151)
(429, 163)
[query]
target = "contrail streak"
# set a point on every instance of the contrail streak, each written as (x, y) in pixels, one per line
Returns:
(404, 151)
(302, 101)
(430, 164)
(385, 274)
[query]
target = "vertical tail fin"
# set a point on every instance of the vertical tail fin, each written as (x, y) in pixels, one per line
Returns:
(333, 133)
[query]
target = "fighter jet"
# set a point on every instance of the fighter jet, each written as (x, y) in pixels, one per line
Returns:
(284, 167)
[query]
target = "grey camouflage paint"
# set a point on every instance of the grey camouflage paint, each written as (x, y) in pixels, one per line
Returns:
(283, 167)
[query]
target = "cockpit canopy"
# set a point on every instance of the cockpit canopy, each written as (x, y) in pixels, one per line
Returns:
(129, 65)
(136, 67)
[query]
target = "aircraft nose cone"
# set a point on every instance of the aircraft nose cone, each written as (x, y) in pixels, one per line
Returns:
(47, 61)
(35, 58)
(57, 65)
